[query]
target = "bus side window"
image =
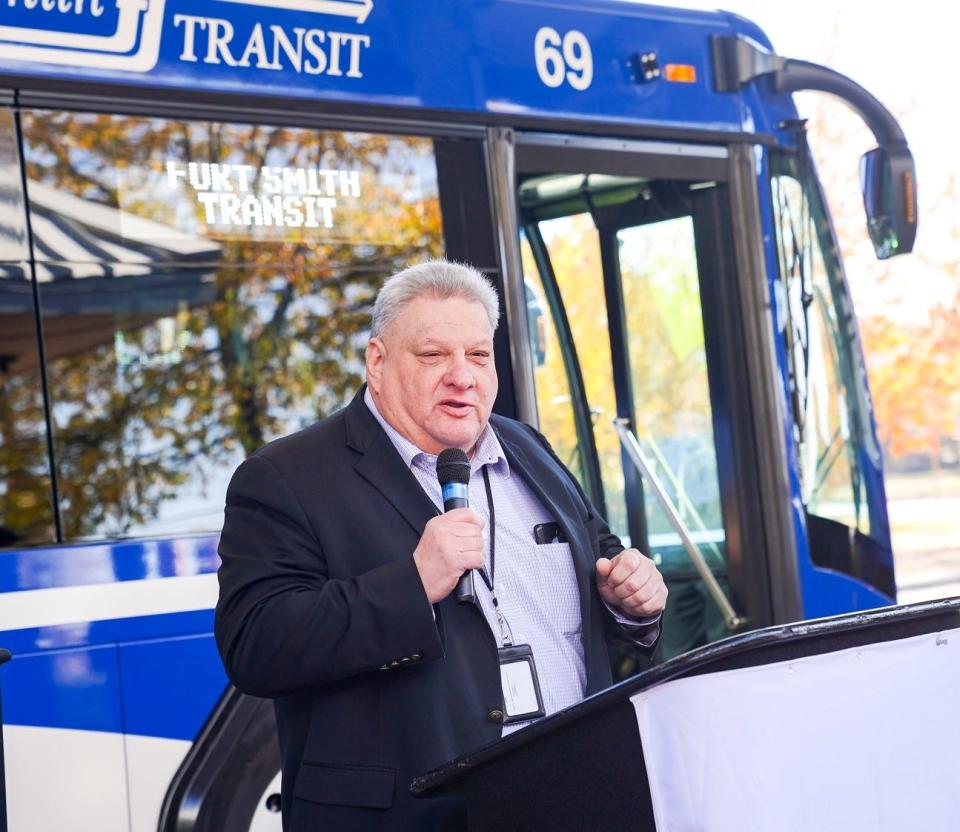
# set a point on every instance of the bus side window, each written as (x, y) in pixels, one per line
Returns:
(206, 287)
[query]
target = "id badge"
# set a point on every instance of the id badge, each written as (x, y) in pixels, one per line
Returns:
(521, 688)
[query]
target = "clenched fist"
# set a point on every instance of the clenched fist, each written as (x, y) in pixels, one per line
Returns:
(451, 544)
(632, 583)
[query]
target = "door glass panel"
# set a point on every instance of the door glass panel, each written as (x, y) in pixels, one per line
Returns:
(574, 253)
(653, 278)
(668, 361)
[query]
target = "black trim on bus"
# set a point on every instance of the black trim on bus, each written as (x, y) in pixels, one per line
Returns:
(760, 438)
(534, 158)
(735, 418)
(622, 379)
(280, 112)
(837, 546)
(5, 656)
(468, 229)
(470, 237)
(64, 93)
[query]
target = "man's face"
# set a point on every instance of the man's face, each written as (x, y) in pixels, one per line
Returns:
(431, 373)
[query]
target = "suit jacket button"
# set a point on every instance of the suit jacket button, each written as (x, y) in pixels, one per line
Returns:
(495, 716)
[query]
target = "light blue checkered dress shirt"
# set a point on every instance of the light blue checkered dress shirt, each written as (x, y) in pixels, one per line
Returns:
(535, 583)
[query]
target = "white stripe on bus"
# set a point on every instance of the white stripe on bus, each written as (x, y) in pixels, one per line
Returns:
(103, 602)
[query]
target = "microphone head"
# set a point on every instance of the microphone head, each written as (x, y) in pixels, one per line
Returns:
(453, 466)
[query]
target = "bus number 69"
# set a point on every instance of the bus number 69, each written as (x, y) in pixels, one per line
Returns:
(563, 58)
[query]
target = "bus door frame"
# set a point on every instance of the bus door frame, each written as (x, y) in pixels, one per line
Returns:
(747, 410)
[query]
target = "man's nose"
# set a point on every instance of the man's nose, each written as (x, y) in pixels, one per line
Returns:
(459, 373)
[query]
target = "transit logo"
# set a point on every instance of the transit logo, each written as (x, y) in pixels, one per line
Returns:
(126, 34)
(108, 34)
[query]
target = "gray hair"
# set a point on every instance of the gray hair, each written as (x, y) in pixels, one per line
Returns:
(435, 278)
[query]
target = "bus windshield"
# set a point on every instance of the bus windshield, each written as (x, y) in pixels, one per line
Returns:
(838, 456)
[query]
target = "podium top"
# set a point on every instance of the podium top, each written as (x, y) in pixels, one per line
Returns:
(772, 644)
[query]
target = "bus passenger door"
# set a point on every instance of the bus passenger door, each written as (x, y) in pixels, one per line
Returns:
(622, 272)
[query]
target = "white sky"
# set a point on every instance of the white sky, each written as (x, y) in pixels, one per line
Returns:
(905, 54)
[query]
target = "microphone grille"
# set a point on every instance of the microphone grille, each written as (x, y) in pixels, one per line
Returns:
(453, 466)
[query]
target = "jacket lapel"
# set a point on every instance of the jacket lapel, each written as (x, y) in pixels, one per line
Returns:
(382, 466)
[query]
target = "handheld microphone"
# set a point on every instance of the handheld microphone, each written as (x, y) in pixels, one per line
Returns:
(453, 472)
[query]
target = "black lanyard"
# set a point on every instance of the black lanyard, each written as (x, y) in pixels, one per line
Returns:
(493, 539)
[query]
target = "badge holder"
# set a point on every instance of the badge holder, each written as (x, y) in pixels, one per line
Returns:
(521, 687)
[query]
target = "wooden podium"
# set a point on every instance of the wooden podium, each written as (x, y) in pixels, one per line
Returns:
(584, 768)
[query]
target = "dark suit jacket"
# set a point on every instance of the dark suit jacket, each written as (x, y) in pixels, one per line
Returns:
(321, 607)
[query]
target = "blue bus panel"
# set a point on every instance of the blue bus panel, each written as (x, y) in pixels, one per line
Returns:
(79, 666)
(572, 60)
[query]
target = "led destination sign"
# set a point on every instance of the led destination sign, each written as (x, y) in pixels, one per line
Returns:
(268, 197)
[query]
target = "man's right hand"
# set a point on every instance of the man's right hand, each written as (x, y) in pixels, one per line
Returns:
(451, 544)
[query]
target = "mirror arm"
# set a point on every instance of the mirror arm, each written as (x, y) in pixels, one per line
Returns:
(797, 76)
(738, 61)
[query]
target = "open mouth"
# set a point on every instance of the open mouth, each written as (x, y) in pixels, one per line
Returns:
(455, 407)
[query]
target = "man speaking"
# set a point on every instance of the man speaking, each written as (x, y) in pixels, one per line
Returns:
(337, 588)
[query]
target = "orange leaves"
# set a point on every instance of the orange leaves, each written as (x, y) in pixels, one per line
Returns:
(915, 379)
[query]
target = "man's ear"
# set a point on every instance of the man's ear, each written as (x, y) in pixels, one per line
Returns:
(376, 354)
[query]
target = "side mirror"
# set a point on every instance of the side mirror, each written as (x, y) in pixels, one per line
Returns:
(888, 180)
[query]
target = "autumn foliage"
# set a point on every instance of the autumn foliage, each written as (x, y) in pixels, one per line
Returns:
(909, 306)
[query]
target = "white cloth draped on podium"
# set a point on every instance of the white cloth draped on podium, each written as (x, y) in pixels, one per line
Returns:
(866, 738)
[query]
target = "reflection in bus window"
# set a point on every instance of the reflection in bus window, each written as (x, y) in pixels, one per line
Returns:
(26, 498)
(206, 287)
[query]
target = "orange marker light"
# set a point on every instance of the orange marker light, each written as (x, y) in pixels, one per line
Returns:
(680, 73)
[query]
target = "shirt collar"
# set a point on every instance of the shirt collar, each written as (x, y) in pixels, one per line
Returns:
(487, 451)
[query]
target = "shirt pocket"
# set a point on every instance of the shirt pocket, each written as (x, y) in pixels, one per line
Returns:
(555, 569)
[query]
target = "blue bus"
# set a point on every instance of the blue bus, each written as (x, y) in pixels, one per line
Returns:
(198, 202)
